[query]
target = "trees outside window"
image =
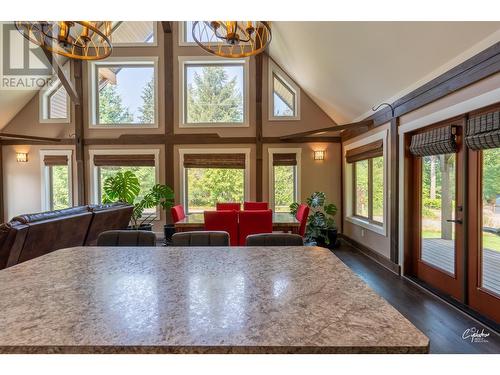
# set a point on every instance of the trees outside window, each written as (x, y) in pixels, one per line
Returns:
(59, 187)
(284, 187)
(368, 191)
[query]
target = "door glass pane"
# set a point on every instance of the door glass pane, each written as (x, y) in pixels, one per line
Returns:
(361, 185)
(491, 220)
(284, 187)
(438, 206)
(378, 189)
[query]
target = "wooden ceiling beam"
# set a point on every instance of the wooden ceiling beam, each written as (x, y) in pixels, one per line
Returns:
(166, 26)
(65, 81)
(359, 124)
(28, 137)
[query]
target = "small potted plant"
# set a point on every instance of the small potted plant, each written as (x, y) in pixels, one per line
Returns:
(125, 187)
(320, 228)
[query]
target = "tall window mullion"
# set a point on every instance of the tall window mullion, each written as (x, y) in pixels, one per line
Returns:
(370, 189)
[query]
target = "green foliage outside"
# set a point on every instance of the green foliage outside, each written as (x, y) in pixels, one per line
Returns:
(284, 191)
(207, 186)
(213, 97)
(362, 190)
(60, 193)
(147, 110)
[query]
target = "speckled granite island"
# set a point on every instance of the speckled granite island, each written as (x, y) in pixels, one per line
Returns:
(196, 300)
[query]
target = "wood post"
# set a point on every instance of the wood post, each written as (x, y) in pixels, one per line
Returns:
(79, 134)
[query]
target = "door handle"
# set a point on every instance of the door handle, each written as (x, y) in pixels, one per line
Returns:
(457, 221)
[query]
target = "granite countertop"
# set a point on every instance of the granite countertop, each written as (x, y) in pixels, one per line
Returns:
(196, 300)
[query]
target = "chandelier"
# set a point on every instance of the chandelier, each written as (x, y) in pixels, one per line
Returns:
(233, 39)
(81, 40)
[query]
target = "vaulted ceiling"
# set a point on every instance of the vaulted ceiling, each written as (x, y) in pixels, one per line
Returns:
(348, 67)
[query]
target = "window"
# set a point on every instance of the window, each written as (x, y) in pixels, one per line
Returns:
(54, 101)
(186, 34)
(133, 33)
(124, 93)
(214, 92)
(284, 95)
(211, 176)
(107, 163)
(56, 179)
(366, 183)
(284, 171)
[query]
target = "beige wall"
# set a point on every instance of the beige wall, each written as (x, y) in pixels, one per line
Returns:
(22, 181)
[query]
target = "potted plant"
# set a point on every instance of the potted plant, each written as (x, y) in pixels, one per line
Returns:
(320, 228)
(125, 187)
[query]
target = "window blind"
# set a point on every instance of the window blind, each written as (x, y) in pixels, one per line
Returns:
(137, 160)
(483, 131)
(52, 160)
(227, 161)
(371, 150)
(436, 141)
(284, 159)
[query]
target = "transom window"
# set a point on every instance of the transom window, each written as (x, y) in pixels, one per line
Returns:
(56, 179)
(54, 101)
(283, 95)
(214, 92)
(124, 93)
(284, 178)
(209, 178)
(132, 33)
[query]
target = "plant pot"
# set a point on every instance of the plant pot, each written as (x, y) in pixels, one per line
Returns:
(168, 230)
(332, 239)
(148, 227)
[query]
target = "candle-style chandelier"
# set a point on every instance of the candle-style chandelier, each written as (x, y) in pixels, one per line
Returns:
(82, 40)
(233, 39)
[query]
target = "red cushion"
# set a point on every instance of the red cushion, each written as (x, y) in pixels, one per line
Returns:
(228, 206)
(301, 215)
(177, 213)
(255, 206)
(254, 222)
(223, 220)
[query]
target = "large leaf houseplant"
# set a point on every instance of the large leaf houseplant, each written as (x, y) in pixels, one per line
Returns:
(320, 228)
(125, 187)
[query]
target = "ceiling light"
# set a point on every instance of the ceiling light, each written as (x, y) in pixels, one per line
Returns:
(81, 40)
(233, 39)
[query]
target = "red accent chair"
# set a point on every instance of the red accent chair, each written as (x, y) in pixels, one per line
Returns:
(252, 206)
(228, 206)
(226, 221)
(302, 215)
(254, 222)
(177, 213)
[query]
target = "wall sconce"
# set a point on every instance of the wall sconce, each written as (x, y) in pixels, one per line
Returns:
(22, 157)
(319, 155)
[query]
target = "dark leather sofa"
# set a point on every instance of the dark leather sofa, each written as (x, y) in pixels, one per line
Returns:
(29, 236)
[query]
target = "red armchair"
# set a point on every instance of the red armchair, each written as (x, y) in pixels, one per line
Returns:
(249, 206)
(177, 213)
(302, 215)
(254, 222)
(228, 206)
(223, 220)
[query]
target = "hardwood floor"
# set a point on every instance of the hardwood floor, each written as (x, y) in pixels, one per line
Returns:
(442, 323)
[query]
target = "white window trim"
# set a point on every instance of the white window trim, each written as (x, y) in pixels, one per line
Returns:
(140, 44)
(181, 31)
(44, 173)
(126, 61)
(275, 69)
(348, 188)
(185, 60)
(43, 97)
(298, 153)
(94, 178)
(182, 170)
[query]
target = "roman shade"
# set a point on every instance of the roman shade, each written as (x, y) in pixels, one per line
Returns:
(52, 160)
(137, 160)
(436, 141)
(483, 131)
(227, 161)
(371, 150)
(284, 159)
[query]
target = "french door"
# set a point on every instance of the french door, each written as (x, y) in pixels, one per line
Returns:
(453, 205)
(438, 217)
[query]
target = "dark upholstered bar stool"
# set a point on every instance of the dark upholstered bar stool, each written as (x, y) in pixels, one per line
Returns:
(274, 239)
(201, 238)
(126, 238)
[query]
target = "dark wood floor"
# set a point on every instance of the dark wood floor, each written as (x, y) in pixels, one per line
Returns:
(442, 323)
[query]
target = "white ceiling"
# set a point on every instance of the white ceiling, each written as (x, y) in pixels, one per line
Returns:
(348, 67)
